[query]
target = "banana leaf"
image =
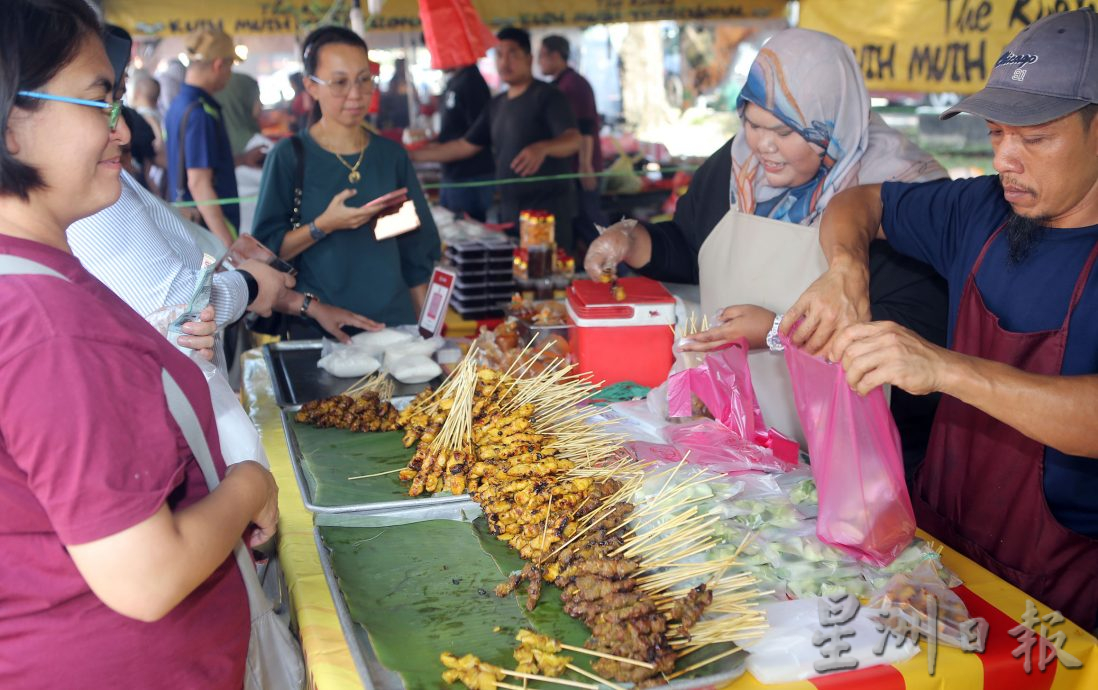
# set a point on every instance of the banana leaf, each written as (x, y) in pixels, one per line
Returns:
(330, 456)
(423, 588)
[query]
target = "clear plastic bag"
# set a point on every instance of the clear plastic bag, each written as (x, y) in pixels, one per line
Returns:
(918, 599)
(864, 506)
(239, 438)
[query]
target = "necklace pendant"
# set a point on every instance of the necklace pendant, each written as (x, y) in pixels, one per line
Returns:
(354, 177)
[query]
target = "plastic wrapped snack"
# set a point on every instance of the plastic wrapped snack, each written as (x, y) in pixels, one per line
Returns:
(909, 596)
(416, 346)
(383, 339)
(414, 369)
(349, 363)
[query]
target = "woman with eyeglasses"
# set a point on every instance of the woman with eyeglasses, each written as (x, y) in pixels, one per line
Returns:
(330, 236)
(116, 566)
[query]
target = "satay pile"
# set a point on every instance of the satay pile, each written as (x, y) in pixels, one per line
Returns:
(601, 589)
(501, 439)
(365, 412)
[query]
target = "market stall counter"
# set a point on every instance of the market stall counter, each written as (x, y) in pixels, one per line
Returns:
(332, 666)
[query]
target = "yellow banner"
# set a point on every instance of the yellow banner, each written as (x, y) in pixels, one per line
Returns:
(239, 17)
(928, 45)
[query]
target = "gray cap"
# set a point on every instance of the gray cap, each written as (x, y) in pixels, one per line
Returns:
(1048, 71)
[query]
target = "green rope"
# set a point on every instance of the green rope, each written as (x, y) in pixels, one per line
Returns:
(450, 185)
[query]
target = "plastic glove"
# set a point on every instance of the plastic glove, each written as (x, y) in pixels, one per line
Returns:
(610, 249)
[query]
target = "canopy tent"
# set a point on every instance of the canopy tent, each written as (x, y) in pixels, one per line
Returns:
(165, 18)
(915, 45)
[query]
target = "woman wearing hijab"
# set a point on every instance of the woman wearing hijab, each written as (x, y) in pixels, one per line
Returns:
(746, 230)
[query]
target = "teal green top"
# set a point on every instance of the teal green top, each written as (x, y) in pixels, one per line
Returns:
(350, 268)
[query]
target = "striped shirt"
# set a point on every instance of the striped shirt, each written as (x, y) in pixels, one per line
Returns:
(150, 257)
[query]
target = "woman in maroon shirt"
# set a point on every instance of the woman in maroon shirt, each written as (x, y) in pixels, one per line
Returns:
(115, 559)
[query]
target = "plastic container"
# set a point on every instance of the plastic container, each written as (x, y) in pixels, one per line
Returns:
(628, 340)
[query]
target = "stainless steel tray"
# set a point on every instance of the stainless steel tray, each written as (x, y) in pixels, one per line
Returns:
(407, 504)
(373, 674)
(297, 379)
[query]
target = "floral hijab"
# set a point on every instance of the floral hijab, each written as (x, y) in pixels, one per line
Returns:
(811, 82)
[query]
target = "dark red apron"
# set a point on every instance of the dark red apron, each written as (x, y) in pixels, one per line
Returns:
(980, 489)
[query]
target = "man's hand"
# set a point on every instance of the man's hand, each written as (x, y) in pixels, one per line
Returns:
(200, 334)
(873, 354)
(274, 286)
(529, 160)
(266, 518)
(332, 319)
(740, 321)
(588, 180)
(838, 299)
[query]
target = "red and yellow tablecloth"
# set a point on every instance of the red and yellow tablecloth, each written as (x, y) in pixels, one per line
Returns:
(331, 667)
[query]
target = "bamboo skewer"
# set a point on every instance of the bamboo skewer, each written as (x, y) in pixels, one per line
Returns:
(604, 655)
(592, 676)
(706, 662)
(548, 679)
(376, 474)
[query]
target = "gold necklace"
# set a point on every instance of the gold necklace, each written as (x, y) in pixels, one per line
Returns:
(354, 176)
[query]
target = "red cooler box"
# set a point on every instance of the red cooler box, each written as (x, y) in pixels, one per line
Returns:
(629, 340)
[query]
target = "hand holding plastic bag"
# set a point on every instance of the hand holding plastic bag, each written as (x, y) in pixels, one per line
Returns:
(855, 450)
(723, 383)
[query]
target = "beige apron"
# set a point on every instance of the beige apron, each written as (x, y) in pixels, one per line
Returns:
(754, 260)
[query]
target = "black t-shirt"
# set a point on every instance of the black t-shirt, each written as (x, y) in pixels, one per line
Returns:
(141, 136)
(465, 98)
(509, 125)
(901, 289)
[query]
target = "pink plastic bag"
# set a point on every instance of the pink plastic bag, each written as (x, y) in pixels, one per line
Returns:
(723, 383)
(855, 457)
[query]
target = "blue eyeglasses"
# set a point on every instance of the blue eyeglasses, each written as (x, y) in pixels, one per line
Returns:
(114, 109)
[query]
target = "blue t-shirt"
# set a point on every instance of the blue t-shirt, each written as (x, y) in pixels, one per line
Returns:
(207, 146)
(946, 225)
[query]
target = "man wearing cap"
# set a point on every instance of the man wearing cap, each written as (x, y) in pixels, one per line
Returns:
(1011, 475)
(196, 131)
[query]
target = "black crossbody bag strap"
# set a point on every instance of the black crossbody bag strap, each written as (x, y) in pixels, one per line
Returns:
(181, 179)
(299, 180)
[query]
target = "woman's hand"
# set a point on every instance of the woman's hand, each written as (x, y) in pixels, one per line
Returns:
(609, 249)
(740, 321)
(263, 482)
(332, 319)
(200, 334)
(339, 216)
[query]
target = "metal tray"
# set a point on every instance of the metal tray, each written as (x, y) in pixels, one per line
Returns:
(373, 674)
(402, 505)
(297, 379)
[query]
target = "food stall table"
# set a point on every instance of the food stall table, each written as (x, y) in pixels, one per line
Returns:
(331, 667)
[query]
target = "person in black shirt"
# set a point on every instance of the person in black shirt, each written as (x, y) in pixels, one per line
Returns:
(531, 131)
(465, 98)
